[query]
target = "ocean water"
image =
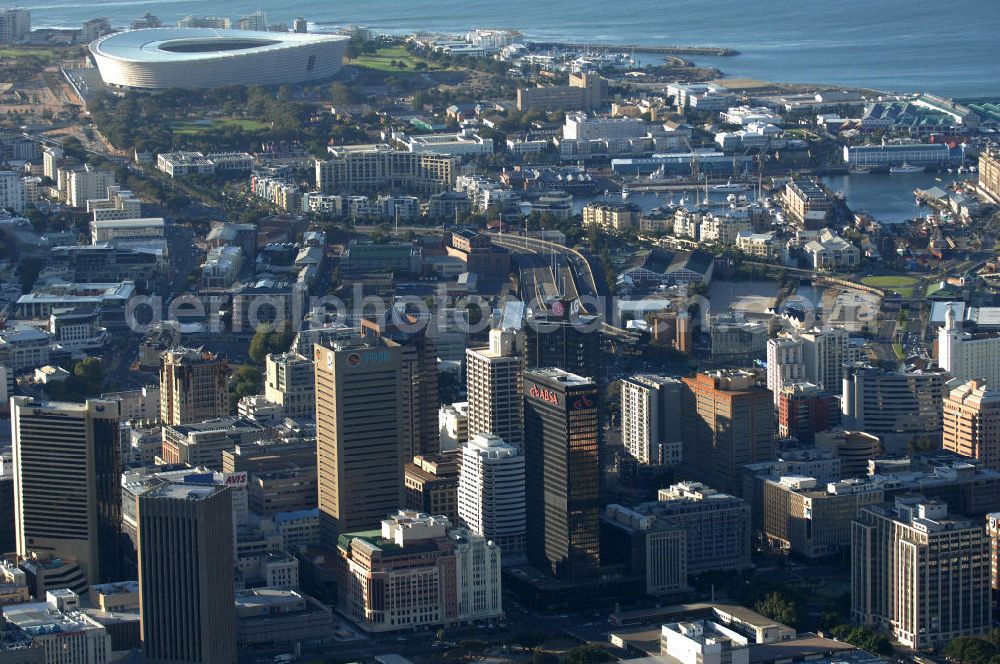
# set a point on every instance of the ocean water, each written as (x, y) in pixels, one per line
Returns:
(897, 45)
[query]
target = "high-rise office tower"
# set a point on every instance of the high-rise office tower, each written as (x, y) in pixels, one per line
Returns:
(971, 421)
(67, 483)
(923, 575)
(727, 422)
(186, 579)
(902, 408)
(494, 377)
(491, 492)
(566, 340)
(418, 378)
(193, 386)
(651, 422)
(359, 451)
(563, 479)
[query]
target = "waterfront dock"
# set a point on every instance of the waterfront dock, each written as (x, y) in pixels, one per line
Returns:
(666, 50)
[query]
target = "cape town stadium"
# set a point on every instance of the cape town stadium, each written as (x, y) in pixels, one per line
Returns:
(159, 58)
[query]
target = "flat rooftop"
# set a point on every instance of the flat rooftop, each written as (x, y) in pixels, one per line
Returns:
(561, 376)
(185, 491)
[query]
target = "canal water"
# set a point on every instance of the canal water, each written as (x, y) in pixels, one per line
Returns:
(888, 197)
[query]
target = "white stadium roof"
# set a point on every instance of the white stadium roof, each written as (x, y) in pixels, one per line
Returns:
(207, 57)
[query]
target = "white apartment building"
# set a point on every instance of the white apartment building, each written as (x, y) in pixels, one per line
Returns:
(491, 500)
(651, 419)
(825, 353)
(786, 363)
(723, 229)
(966, 356)
(758, 245)
(701, 96)
(12, 193)
(86, 183)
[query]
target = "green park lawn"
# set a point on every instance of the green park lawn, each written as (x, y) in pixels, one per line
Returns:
(198, 126)
(21, 52)
(383, 59)
(902, 285)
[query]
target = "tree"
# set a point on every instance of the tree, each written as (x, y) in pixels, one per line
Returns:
(544, 657)
(530, 640)
(340, 94)
(779, 606)
(28, 270)
(267, 341)
(969, 650)
(588, 653)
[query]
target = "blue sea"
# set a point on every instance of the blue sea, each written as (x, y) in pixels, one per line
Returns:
(894, 45)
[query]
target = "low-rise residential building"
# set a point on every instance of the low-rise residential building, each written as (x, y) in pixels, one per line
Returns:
(611, 216)
(832, 252)
(759, 245)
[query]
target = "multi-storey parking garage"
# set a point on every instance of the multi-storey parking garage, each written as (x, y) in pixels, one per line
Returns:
(204, 58)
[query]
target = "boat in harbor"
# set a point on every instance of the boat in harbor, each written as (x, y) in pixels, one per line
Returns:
(907, 168)
(859, 170)
(729, 186)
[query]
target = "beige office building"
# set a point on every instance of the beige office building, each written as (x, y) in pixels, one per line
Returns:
(971, 421)
(290, 382)
(193, 386)
(811, 518)
(989, 173)
(920, 574)
(370, 168)
(67, 484)
(494, 379)
(359, 450)
(186, 579)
